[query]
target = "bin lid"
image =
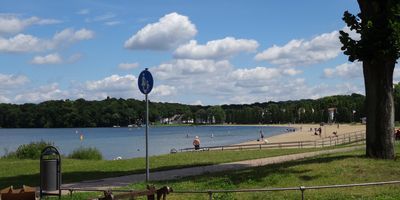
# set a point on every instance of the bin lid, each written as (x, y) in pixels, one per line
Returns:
(49, 151)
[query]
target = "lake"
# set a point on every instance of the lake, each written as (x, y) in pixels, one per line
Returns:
(130, 142)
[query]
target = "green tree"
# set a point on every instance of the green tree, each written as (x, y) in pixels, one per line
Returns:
(378, 49)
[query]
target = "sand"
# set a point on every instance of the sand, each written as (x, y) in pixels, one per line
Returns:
(303, 132)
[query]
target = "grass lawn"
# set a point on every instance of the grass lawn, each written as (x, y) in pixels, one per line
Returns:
(18, 172)
(341, 168)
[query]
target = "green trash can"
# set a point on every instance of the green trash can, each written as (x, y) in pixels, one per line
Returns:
(50, 172)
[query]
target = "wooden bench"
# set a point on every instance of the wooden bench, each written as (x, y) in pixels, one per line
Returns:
(25, 193)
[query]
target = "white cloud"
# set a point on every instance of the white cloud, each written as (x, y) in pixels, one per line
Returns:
(346, 71)
(11, 24)
(128, 66)
(197, 102)
(47, 59)
(169, 32)
(178, 69)
(69, 36)
(303, 52)
(28, 43)
(255, 77)
(163, 90)
(216, 49)
(21, 43)
(43, 93)
(291, 72)
(113, 83)
(4, 99)
(12, 81)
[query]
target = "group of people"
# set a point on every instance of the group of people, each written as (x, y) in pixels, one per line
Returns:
(317, 131)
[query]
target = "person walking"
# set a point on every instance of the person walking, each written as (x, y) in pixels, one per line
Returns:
(196, 143)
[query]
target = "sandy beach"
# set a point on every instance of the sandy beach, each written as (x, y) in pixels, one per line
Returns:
(305, 132)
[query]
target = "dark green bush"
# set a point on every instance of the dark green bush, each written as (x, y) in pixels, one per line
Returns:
(86, 153)
(28, 151)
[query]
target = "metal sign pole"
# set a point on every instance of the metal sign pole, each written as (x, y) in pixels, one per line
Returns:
(147, 139)
(145, 84)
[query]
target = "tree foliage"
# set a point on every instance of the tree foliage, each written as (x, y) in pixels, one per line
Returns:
(111, 111)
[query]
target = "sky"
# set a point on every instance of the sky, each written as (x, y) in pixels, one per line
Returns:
(199, 52)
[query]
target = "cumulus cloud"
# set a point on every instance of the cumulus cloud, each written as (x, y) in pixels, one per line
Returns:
(69, 36)
(346, 71)
(291, 72)
(47, 59)
(216, 49)
(28, 43)
(11, 24)
(163, 90)
(43, 93)
(258, 76)
(177, 69)
(11, 80)
(169, 32)
(303, 52)
(128, 66)
(113, 83)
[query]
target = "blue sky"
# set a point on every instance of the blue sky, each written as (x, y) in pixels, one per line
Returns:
(199, 52)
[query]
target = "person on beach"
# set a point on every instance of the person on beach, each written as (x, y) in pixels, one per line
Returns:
(196, 143)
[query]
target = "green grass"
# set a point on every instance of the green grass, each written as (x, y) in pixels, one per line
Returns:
(17, 172)
(86, 153)
(341, 168)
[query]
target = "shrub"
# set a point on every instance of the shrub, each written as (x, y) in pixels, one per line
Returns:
(28, 151)
(88, 153)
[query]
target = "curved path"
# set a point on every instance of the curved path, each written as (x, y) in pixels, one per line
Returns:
(121, 181)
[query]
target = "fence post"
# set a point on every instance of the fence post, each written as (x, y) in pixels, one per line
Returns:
(330, 141)
(302, 189)
(210, 195)
(260, 146)
(315, 144)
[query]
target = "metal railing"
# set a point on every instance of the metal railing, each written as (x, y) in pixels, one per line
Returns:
(302, 189)
(347, 138)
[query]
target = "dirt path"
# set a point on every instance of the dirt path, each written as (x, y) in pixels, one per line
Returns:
(121, 181)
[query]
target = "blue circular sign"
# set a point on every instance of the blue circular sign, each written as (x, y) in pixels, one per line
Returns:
(145, 82)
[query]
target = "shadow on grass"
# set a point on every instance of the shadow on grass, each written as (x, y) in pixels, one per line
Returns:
(77, 176)
(238, 176)
(258, 174)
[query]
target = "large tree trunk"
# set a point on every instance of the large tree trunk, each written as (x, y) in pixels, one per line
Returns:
(378, 79)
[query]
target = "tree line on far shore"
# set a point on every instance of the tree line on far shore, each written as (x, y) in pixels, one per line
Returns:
(111, 111)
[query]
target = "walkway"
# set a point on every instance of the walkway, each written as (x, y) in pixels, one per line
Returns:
(121, 181)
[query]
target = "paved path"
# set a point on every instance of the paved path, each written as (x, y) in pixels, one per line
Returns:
(121, 181)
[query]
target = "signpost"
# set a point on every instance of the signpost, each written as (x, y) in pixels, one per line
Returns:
(145, 84)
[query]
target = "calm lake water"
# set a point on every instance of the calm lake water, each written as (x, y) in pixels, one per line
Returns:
(130, 142)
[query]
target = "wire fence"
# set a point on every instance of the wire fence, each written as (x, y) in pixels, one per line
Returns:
(347, 138)
(211, 193)
(301, 189)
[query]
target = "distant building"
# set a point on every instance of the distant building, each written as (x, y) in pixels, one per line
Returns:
(176, 119)
(331, 114)
(364, 120)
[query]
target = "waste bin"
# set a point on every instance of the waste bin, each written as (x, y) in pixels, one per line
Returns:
(50, 172)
